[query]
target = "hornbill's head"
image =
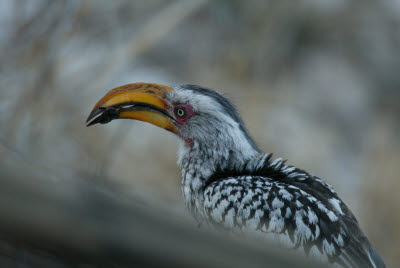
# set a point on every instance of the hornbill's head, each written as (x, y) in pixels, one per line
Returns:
(201, 117)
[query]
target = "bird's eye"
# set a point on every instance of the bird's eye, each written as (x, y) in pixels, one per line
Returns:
(180, 112)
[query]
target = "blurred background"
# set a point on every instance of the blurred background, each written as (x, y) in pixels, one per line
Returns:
(317, 82)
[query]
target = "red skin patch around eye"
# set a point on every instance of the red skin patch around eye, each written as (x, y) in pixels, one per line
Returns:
(189, 113)
(182, 120)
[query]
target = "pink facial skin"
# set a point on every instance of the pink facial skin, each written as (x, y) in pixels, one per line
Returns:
(189, 113)
(189, 142)
(182, 119)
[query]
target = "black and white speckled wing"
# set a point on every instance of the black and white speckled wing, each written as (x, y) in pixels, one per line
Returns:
(289, 205)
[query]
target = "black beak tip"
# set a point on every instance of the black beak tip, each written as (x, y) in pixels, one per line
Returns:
(94, 117)
(90, 121)
(102, 115)
(88, 124)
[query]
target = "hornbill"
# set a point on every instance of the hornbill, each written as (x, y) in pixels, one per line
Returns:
(229, 183)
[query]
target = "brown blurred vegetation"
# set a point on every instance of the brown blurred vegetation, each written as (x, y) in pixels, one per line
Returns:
(317, 82)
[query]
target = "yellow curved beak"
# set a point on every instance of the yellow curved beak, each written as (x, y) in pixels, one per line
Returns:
(139, 101)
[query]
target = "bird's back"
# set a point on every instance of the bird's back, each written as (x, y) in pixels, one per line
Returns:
(286, 204)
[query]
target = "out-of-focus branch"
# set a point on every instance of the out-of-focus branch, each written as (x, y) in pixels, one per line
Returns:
(148, 36)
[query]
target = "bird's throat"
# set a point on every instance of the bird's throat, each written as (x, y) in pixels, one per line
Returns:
(189, 142)
(198, 164)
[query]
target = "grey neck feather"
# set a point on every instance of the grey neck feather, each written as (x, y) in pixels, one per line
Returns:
(199, 162)
(220, 140)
